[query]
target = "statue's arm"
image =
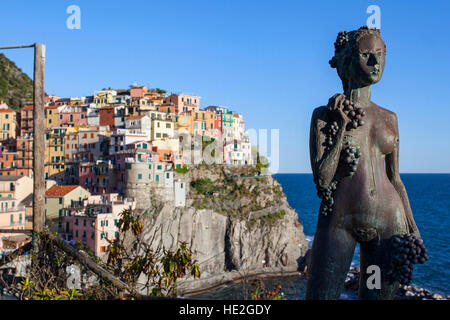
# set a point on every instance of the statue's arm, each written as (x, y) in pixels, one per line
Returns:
(392, 170)
(324, 164)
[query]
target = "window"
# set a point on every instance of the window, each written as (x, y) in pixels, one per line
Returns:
(159, 167)
(60, 200)
(139, 176)
(11, 219)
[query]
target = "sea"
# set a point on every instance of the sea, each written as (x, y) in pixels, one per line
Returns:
(429, 196)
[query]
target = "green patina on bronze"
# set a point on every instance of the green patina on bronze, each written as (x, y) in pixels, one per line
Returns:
(354, 158)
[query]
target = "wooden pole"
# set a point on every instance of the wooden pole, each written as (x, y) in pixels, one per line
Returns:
(39, 139)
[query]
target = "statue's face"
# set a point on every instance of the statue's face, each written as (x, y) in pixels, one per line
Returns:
(369, 62)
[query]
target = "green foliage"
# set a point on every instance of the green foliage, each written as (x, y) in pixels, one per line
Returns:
(182, 170)
(30, 291)
(258, 292)
(204, 186)
(278, 191)
(261, 163)
(16, 87)
(162, 269)
(272, 217)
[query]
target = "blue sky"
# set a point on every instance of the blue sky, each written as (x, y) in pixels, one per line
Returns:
(265, 59)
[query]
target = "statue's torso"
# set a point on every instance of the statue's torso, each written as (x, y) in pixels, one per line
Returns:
(368, 199)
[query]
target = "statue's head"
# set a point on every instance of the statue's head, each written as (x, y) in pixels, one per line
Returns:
(359, 56)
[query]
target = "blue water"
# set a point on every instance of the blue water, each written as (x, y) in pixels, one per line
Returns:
(429, 196)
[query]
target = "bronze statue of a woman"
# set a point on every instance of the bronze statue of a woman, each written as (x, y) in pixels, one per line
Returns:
(354, 146)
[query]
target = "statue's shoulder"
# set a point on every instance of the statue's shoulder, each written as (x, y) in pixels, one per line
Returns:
(320, 113)
(387, 114)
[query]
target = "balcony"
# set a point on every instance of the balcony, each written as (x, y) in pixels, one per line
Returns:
(132, 160)
(14, 209)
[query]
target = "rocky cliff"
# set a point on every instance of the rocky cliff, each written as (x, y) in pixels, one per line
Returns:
(237, 224)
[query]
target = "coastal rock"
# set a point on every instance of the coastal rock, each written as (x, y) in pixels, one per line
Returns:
(233, 233)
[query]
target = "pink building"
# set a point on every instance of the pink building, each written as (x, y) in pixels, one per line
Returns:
(51, 99)
(13, 191)
(96, 223)
(71, 116)
(183, 103)
(138, 92)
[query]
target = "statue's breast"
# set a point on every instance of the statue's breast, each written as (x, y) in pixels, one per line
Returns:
(384, 134)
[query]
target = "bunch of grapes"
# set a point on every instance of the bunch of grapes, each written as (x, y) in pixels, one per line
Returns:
(350, 157)
(327, 196)
(408, 250)
(341, 40)
(355, 114)
(331, 131)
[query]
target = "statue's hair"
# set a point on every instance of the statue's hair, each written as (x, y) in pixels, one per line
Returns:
(346, 47)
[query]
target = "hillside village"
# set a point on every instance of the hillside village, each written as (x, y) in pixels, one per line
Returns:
(96, 146)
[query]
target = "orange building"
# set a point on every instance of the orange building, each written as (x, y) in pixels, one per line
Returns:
(204, 123)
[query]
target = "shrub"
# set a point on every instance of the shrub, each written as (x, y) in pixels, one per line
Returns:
(182, 170)
(204, 186)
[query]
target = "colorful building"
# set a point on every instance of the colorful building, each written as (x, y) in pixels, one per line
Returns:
(55, 154)
(8, 123)
(26, 120)
(57, 198)
(183, 103)
(71, 116)
(96, 222)
(52, 116)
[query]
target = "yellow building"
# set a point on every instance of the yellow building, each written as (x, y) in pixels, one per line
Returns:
(8, 123)
(105, 97)
(162, 129)
(51, 117)
(54, 154)
(183, 123)
(57, 198)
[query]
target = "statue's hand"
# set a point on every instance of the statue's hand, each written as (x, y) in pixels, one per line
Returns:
(336, 106)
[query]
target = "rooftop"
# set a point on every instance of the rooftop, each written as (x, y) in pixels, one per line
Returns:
(10, 178)
(60, 191)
